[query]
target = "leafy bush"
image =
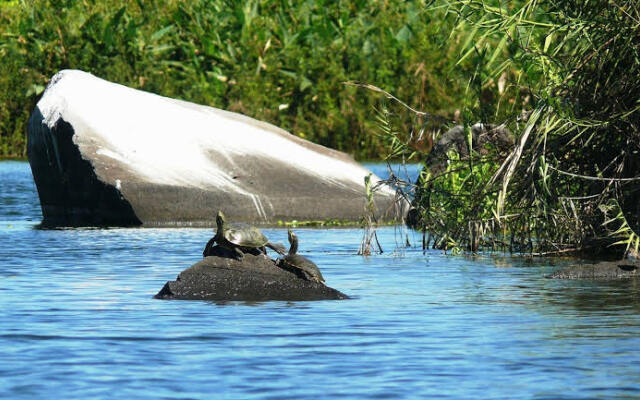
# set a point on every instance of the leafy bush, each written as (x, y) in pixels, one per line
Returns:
(563, 76)
(281, 61)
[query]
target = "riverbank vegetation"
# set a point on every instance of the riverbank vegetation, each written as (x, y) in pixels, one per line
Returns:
(281, 61)
(562, 76)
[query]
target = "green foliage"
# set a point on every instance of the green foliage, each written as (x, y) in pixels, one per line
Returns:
(614, 218)
(318, 223)
(281, 61)
(563, 76)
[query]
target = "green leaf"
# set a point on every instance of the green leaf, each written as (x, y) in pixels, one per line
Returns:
(404, 34)
(110, 28)
(34, 90)
(290, 74)
(367, 48)
(160, 33)
(468, 133)
(498, 50)
(305, 83)
(547, 42)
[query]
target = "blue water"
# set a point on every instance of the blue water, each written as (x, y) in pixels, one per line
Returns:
(78, 321)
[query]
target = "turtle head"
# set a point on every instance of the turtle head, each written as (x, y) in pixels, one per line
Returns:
(220, 219)
(293, 241)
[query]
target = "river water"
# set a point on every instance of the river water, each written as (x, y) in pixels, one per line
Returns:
(78, 321)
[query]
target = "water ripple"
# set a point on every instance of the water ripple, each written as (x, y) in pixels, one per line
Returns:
(79, 321)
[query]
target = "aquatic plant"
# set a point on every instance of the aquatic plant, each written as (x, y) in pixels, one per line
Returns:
(369, 223)
(562, 76)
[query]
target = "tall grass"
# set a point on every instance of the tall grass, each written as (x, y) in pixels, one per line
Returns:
(282, 61)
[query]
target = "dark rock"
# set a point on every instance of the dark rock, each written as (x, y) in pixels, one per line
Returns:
(455, 139)
(603, 270)
(105, 154)
(255, 278)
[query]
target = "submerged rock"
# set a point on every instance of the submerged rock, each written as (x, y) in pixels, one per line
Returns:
(105, 154)
(220, 277)
(603, 270)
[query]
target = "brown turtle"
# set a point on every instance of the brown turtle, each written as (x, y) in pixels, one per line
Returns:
(298, 264)
(239, 238)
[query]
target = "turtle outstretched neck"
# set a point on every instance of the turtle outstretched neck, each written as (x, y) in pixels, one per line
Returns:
(300, 265)
(293, 241)
(219, 225)
(218, 237)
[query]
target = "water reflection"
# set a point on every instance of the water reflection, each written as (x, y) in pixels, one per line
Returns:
(595, 296)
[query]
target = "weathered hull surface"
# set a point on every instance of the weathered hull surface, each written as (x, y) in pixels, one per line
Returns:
(105, 154)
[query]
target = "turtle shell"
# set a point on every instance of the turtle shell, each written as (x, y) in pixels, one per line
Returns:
(244, 235)
(308, 268)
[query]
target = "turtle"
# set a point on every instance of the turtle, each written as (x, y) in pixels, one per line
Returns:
(298, 264)
(240, 239)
